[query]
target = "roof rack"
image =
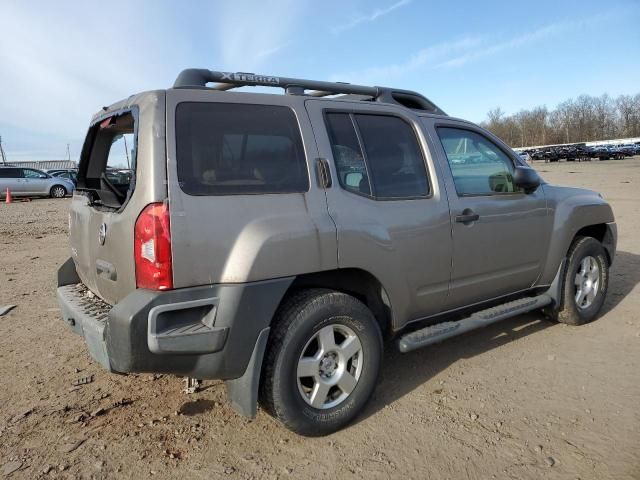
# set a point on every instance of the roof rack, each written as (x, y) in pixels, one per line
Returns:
(198, 77)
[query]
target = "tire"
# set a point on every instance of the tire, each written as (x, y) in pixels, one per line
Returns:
(58, 191)
(306, 319)
(584, 251)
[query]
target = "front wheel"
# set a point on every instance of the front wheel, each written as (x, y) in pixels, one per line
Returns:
(322, 361)
(58, 191)
(585, 282)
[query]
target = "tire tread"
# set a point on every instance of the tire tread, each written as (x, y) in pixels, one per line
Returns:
(567, 313)
(292, 315)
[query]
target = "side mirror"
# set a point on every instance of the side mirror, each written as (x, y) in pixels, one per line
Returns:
(352, 179)
(526, 178)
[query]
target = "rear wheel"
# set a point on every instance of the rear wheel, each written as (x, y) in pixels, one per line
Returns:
(585, 282)
(58, 191)
(322, 361)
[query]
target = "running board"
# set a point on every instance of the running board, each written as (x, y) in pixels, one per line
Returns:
(442, 331)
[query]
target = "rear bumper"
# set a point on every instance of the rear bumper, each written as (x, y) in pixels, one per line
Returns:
(206, 332)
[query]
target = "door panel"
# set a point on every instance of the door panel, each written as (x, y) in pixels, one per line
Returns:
(33, 183)
(500, 234)
(404, 243)
(16, 182)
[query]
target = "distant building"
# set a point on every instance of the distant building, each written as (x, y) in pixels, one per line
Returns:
(45, 164)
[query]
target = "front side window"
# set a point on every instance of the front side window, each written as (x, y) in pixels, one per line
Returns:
(478, 166)
(230, 149)
(28, 173)
(377, 155)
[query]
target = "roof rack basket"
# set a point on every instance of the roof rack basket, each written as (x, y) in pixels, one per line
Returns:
(197, 77)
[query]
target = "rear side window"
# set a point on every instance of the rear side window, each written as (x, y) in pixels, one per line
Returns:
(10, 173)
(231, 149)
(29, 173)
(377, 155)
(347, 154)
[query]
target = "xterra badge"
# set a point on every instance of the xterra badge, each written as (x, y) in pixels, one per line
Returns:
(249, 78)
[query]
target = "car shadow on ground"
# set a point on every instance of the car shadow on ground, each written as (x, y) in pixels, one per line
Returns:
(624, 276)
(403, 372)
(196, 407)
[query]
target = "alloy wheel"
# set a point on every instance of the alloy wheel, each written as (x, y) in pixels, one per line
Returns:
(330, 366)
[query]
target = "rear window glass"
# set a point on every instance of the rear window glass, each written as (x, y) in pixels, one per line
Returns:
(227, 149)
(10, 173)
(108, 161)
(391, 165)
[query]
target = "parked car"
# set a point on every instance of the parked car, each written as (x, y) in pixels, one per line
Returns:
(51, 171)
(604, 152)
(275, 241)
(71, 175)
(538, 155)
(524, 156)
(629, 150)
(551, 155)
(120, 177)
(584, 152)
(618, 152)
(29, 182)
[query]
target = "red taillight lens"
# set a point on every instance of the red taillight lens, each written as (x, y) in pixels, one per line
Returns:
(152, 248)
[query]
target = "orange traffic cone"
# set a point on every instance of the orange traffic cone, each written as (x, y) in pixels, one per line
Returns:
(8, 197)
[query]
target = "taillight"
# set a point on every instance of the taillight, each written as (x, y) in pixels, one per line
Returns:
(152, 248)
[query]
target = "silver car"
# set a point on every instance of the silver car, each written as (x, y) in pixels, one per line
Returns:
(29, 182)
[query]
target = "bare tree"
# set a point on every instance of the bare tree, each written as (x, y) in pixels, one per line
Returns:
(584, 119)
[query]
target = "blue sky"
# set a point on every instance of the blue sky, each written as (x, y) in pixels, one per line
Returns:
(61, 61)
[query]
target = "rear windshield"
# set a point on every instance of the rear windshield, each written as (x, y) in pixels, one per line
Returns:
(108, 160)
(227, 149)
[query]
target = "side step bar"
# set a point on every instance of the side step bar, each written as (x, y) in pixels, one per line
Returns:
(442, 331)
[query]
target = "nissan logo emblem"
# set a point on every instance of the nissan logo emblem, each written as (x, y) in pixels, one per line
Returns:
(102, 233)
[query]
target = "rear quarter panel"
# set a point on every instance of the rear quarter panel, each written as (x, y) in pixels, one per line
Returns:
(246, 238)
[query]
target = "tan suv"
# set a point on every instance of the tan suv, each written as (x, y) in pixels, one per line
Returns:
(274, 241)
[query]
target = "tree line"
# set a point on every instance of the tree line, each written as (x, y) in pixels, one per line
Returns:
(584, 119)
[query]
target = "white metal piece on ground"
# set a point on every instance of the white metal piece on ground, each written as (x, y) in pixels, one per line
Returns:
(191, 385)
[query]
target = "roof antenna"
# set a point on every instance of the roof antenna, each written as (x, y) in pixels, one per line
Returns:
(2, 155)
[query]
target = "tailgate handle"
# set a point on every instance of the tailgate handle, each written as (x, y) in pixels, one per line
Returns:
(106, 270)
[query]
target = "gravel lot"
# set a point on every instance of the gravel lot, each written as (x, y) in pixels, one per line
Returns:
(522, 399)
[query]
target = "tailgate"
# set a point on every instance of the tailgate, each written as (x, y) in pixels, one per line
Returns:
(105, 268)
(121, 170)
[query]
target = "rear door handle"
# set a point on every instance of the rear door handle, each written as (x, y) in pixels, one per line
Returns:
(324, 173)
(467, 216)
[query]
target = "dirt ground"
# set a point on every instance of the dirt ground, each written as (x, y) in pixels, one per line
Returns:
(522, 399)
